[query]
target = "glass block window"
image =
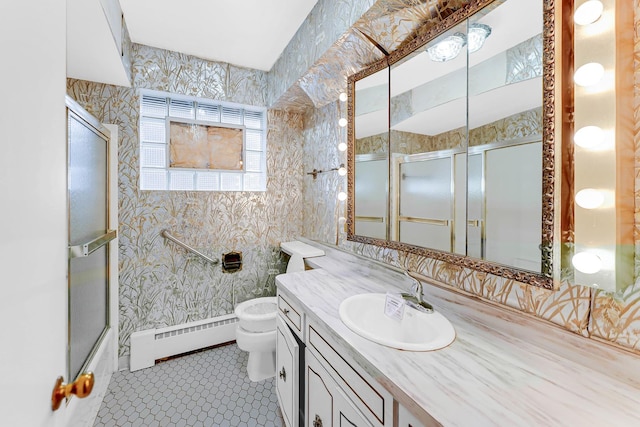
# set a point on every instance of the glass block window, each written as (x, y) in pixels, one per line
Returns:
(155, 174)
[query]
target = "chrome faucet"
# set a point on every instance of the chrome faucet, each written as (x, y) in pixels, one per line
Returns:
(414, 299)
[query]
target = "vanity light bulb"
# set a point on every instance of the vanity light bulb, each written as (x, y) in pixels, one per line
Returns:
(589, 137)
(589, 198)
(342, 220)
(342, 122)
(589, 74)
(342, 196)
(342, 171)
(587, 262)
(588, 12)
(343, 97)
(342, 146)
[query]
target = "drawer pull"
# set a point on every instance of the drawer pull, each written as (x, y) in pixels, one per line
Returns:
(318, 421)
(286, 310)
(283, 374)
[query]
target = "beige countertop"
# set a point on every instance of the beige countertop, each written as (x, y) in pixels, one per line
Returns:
(503, 369)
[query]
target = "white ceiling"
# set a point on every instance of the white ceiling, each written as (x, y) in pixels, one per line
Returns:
(248, 33)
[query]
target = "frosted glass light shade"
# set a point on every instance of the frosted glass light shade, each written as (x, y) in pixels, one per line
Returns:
(447, 49)
(589, 137)
(589, 198)
(342, 196)
(476, 36)
(589, 74)
(342, 122)
(588, 12)
(587, 262)
(342, 146)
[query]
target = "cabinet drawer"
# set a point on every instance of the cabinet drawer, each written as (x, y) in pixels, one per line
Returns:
(371, 399)
(292, 315)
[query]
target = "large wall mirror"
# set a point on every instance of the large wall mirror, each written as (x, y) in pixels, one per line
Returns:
(448, 142)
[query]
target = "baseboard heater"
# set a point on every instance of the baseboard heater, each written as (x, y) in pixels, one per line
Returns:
(153, 344)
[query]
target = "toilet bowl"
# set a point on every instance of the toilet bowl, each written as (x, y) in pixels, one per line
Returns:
(256, 334)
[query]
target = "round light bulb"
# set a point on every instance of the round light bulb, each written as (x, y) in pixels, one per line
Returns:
(590, 198)
(588, 12)
(589, 137)
(342, 146)
(343, 97)
(342, 171)
(589, 74)
(587, 262)
(342, 122)
(342, 196)
(342, 220)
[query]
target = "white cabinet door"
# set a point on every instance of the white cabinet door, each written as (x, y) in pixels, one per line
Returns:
(407, 419)
(287, 352)
(345, 413)
(320, 391)
(327, 405)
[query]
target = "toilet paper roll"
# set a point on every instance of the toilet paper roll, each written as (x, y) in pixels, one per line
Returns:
(296, 263)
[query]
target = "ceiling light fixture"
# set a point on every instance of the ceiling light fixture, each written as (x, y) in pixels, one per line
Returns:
(450, 47)
(476, 36)
(447, 48)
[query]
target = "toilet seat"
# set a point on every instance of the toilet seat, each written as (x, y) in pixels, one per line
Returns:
(258, 314)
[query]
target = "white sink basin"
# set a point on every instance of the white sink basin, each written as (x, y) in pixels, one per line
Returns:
(417, 331)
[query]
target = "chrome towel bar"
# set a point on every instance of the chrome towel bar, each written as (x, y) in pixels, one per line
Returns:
(167, 235)
(86, 249)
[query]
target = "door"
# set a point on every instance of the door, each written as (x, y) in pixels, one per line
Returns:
(426, 203)
(33, 243)
(91, 289)
(89, 237)
(371, 197)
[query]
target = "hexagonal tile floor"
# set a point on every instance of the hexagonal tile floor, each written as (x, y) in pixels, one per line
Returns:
(209, 388)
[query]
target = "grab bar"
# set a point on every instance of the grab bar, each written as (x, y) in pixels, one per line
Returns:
(167, 235)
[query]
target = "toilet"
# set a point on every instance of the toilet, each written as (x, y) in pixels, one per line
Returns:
(256, 333)
(256, 330)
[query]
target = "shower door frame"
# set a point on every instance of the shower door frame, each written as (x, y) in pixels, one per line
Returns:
(103, 358)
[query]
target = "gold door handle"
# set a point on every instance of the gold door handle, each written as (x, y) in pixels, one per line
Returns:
(81, 387)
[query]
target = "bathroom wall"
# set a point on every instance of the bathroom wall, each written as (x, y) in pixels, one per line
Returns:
(614, 318)
(160, 284)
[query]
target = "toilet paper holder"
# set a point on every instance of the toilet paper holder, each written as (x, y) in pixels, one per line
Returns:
(232, 261)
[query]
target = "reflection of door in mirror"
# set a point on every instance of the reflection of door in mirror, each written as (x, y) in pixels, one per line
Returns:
(504, 203)
(505, 128)
(370, 200)
(427, 142)
(371, 131)
(425, 202)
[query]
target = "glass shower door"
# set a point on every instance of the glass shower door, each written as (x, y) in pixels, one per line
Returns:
(88, 239)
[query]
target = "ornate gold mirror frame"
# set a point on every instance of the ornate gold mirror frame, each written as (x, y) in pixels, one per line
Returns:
(557, 218)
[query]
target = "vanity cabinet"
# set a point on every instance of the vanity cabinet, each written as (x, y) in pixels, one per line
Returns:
(318, 384)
